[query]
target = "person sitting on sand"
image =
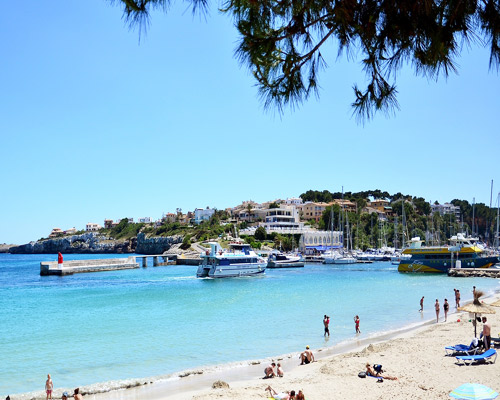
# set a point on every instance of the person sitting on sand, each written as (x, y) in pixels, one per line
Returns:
(279, 371)
(371, 372)
(306, 356)
(269, 371)
(281, 396)
(300, 396)
(65, 396)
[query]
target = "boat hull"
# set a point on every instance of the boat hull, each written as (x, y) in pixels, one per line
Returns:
(443, 265)
(230, 271)
(286, 264)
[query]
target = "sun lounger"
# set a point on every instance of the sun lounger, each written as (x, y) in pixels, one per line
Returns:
(468, 360)
(461, 348)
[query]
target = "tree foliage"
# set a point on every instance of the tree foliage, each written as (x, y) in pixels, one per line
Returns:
(282, 42)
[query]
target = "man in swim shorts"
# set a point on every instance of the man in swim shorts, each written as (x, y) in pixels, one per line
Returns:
(48, 387)
(486, 333)
(326, 322)
(306, 356)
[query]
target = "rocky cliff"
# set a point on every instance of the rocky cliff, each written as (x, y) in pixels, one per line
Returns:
(95, 243)
(86, 243)
(155, 245)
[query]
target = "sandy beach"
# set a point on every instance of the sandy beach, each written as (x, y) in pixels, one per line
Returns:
(417, 357)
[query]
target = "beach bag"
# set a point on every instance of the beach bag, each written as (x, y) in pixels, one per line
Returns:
(378, 368)
(362, 374)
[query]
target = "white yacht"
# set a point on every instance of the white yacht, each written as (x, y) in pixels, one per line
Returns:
(337, 258)
(238, 260)
(281, 260)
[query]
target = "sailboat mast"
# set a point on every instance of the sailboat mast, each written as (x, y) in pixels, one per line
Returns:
(497, 239)
(404, 222)
(473, 205)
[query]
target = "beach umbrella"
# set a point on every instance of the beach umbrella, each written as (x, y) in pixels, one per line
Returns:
(496, 303)
(476, 307)
(473, 391)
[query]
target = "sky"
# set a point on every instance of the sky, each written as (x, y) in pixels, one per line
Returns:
(96, 124)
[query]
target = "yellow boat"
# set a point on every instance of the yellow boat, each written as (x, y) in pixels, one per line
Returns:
(463, 253)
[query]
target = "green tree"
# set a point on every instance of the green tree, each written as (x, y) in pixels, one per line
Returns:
(260, 233)
(282, 42)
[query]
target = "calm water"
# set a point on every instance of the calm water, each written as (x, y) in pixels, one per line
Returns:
(104, 326)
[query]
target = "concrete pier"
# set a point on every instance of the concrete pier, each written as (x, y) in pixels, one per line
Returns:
(79, 266)
(480, 272)
(158, 260)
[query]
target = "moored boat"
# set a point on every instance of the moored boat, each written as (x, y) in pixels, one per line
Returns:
(280, 260)
(238, 260)
(462, 253)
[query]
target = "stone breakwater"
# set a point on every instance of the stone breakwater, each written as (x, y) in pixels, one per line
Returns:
(93, 243)
(476, 272)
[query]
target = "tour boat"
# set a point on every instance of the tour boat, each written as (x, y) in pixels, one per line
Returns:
(238, 260)
(463, 252)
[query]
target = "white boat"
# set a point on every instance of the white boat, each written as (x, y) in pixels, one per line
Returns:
(280, 260)
(340, 259)
(238, 260)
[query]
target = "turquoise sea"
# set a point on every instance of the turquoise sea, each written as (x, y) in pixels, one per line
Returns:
(98, 327)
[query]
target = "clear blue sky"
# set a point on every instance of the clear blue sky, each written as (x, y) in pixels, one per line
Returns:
(96, 125)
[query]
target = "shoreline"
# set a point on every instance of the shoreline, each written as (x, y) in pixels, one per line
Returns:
(329, 361)
(190, 382)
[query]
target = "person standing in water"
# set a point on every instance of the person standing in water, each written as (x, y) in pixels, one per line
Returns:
(326, 323)
(421, 304)
(356, 323)
(446, 307)
(437, 308)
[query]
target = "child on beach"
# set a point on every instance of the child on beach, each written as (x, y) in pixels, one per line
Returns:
(49, 385)
(279, 371)
(356, 323)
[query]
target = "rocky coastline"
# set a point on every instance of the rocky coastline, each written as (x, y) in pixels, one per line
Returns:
(94, 243)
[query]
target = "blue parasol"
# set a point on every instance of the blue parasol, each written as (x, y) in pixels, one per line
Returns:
(473, 391)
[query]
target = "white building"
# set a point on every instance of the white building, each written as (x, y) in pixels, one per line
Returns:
(320, 241)
(296, 201)
(203, 214)
(446, 208)
(92, 227)
(284, 217)
(145, 220)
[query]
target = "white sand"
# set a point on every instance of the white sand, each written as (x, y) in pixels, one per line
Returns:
(417, 358)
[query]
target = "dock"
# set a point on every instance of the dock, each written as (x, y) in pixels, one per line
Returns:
(476, 272)
(107, 264)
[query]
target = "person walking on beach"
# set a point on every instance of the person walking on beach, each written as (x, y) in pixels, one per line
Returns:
(457, 298)
(356, 323)
(326, 323)
(269, 371)
(49, 386)
(421, 304)
(486, 333)
(446, 307)
(306, 356)
(437, 308)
